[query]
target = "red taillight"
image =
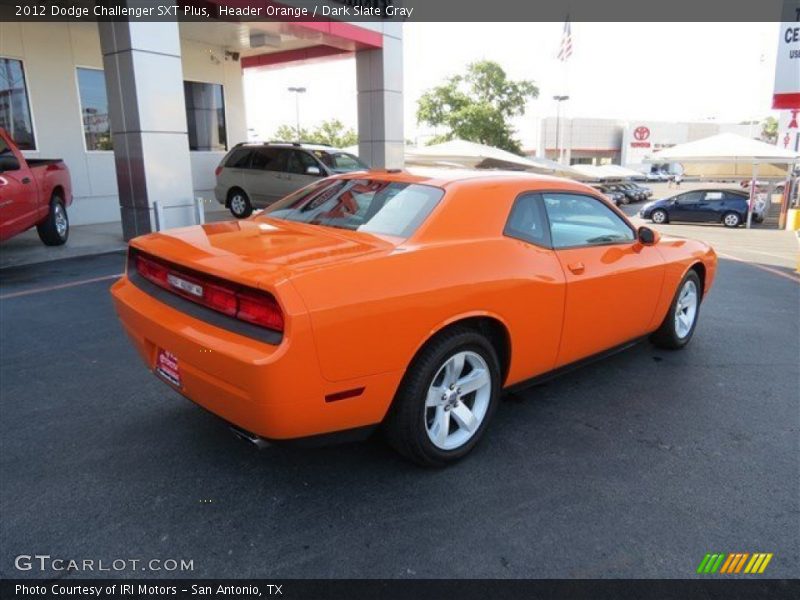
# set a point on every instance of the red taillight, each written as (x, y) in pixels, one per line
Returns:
(260, 310)
(217, 171)
(153, 271)
(252, 306)
(220, 298)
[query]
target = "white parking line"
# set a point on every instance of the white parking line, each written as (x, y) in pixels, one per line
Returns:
(788, 276)
(61, 286)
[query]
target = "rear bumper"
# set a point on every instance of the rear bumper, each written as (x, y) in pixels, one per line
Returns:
(274, 391)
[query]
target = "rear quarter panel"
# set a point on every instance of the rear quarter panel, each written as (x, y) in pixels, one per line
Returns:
(372, 316)
(49, 179)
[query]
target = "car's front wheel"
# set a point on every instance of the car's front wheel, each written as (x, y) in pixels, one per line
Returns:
(239, 204)
(659, 216)
(678, 326)
(446, 399)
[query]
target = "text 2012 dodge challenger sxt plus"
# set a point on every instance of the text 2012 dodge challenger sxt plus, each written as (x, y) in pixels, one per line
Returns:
(403, 299)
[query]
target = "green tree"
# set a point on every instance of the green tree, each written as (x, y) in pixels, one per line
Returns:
(769, 130)
(477, 106)
(331, 132)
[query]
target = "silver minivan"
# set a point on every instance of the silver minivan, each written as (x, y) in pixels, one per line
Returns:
(256, 175)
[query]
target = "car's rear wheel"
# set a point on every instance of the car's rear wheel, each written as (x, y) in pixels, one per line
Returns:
(446, 399)
(239, 204)
(54, 230)
(731, 219)
(678, 327)
(659, 216)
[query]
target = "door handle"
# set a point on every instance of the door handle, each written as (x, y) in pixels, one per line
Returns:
(26, 180)
(576, 267)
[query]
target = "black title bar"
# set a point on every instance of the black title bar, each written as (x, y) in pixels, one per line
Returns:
(720, 588)
(406, 11)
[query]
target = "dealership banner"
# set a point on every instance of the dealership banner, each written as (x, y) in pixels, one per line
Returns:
(402, 10)
(712, 586)
(787, 65)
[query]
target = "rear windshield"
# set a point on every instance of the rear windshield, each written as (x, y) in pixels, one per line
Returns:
(368, 205)
(340, 162)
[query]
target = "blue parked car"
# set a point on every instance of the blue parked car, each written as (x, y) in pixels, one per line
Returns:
(728, 207)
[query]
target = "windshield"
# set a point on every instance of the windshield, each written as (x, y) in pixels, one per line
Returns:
(368, 205)
(340, 162)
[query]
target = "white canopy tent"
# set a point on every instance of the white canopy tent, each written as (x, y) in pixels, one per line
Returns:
(730, 148)
(472, 155)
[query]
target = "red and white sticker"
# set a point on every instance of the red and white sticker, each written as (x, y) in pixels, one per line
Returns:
(167, 367)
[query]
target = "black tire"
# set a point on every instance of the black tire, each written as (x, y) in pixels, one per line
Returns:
(655, 220)
(54, 230)
(239, 204)
(667, 336)
(406, 424)
(731, 219)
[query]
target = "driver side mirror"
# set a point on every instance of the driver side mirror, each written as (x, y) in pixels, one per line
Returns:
(312, 170)
(646, 236)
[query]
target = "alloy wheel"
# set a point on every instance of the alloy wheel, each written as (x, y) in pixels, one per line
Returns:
(457, 400)
(686, 309)
(238, 204)
(60, 220)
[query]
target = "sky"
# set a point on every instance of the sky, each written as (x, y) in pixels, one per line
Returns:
(629, 71)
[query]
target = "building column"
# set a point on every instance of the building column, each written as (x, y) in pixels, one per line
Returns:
(144, 80)
(379, 75)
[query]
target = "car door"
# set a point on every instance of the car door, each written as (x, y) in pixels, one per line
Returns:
(613, 282)
(685, 207)
(538, 302)
(18, 194)
(267, 180)
(298, 167)
(710, 207)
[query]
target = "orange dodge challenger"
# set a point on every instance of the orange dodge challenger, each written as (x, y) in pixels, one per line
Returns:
(407, 299)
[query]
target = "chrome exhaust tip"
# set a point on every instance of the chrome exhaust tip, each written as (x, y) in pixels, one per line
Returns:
(257, 441)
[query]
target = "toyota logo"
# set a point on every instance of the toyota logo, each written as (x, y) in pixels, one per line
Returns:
(641, 133)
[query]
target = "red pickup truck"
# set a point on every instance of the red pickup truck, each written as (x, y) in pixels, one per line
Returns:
(33, 192)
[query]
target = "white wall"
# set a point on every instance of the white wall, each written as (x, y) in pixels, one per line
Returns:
(50, 53)
(206, 63)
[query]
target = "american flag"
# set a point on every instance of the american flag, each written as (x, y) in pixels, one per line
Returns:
(566, 42)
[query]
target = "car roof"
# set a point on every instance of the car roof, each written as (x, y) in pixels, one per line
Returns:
(299, 145)
(729, 190)
(445, 177)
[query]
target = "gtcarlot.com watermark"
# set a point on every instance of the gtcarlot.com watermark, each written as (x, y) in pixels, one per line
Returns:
(44, 563)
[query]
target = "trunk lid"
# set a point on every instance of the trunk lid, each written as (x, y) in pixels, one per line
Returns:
(260, 250)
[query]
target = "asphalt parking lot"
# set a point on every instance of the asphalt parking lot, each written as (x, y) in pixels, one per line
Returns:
(635, 466)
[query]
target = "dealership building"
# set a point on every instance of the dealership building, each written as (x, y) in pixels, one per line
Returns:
(627, 143)
(142, 112)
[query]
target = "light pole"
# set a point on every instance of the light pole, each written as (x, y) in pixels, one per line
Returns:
(559, 100)
(297, 91)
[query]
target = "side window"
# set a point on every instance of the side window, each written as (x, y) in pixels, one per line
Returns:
(269, 159)
(240, 159)
(300, 161)
(527, 220)
(577, 220)
(713, 197)
(735, 198)
(689, 198)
